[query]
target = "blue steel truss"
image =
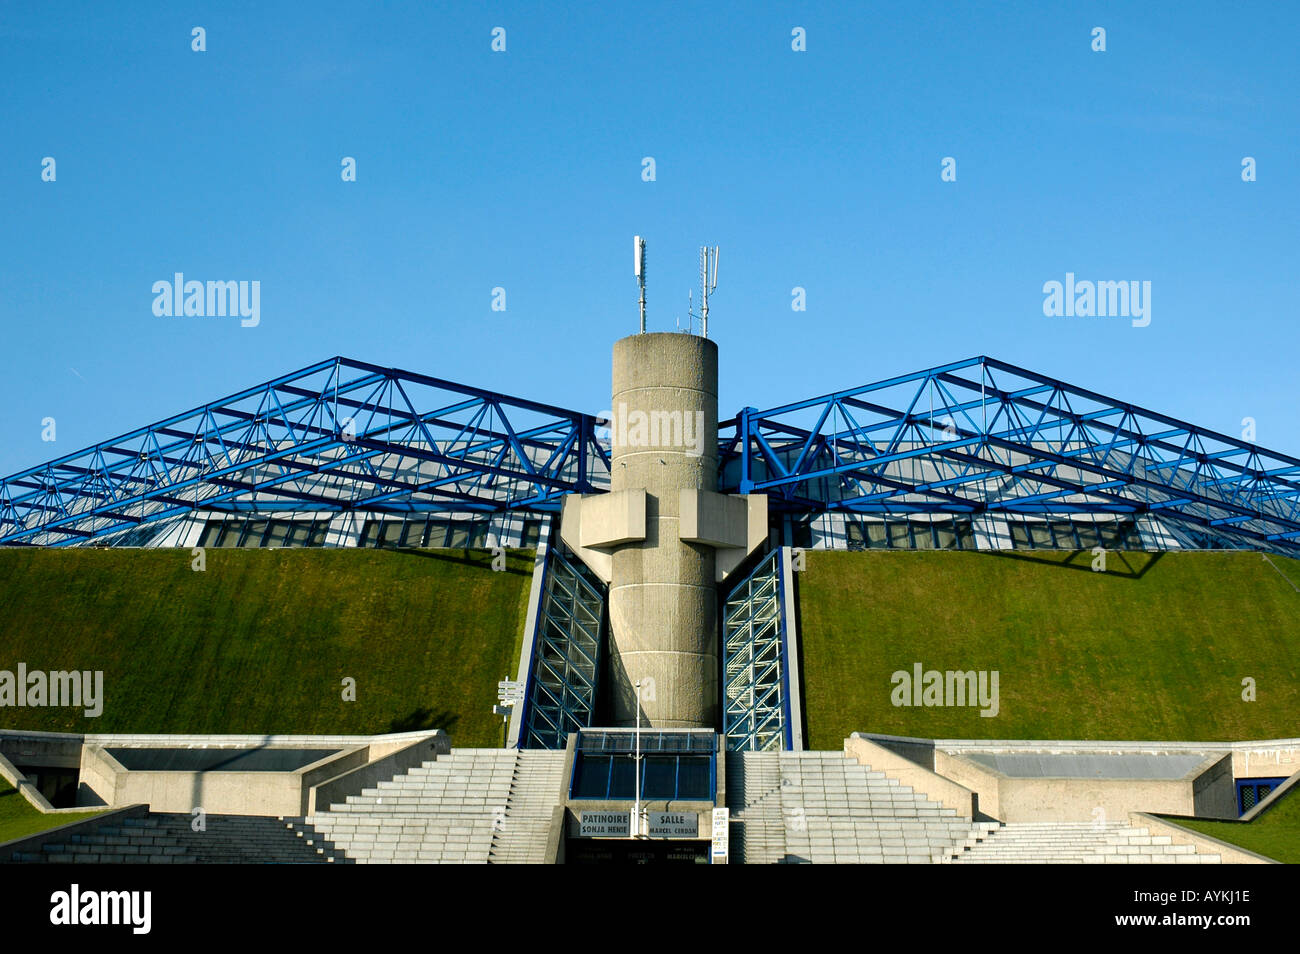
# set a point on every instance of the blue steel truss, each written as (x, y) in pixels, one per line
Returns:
(339, 435)
(974, 437)
(565, 672)
(983, 436)
(755, 697)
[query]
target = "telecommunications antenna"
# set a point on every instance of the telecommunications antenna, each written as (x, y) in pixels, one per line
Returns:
(638, 269)
(708, 283)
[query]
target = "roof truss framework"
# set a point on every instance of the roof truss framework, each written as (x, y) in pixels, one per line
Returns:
(339, 435)
(984, 436)
(977, 436)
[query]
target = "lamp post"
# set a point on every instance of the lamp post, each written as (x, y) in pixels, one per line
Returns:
(504, 713)
(635, 829)
(509, 694)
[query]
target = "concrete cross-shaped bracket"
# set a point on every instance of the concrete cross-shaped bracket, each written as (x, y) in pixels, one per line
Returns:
(594, 525)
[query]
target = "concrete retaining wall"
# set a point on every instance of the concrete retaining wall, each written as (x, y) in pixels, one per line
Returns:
(25, 788)
(224, 793)
(1020, 799)
(1207, 792)
(555, 836)
(103, 781)
(933, 786)
(44, 749)
(1214, 793)
(1279, 759)
(106, 782)
(338, 788)
(97, 778)
(1230, 854)
(1077, 800)
(919, 751)
(32, 844)
(1272, 798)
(532, 626)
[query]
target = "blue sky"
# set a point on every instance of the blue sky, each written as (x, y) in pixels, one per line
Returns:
(817, 169)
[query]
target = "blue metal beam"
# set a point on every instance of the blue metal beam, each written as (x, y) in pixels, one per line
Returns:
(1012, 440)
(337, 435)
(970, 437)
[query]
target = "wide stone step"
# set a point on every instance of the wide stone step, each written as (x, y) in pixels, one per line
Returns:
(473, 805)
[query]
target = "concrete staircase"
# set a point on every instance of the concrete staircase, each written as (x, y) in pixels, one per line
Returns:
(169, 839)
(754, 798)
(471, 806)
(1075, 843)
(823, 807)
(535, 792)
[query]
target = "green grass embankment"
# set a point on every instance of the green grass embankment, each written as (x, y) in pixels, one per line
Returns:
(1274, 834)
(1155, 648)
(261, 640)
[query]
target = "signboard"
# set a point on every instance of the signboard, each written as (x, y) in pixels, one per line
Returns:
(673, 824)
(721, 836)
(604, 824)
(510, 692)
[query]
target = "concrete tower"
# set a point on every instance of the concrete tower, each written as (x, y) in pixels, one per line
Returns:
(663, 537)
(663, 601)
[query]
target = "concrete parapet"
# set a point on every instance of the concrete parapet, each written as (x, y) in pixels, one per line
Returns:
(216, 792)
(1279, 758)
(32, 844)
(930, 784)
(1273, 798)
(1055, 796)
(1229, 854)
(382, 769)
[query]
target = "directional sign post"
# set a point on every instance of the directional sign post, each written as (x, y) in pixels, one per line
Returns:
(721, 847)
(509, 694)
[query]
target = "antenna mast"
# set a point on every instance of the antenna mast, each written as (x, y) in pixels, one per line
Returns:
(708, 283)
(638, 250)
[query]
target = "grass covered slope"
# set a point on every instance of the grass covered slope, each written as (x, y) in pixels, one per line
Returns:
(18, 819)
(1274, 834)
(1155, 648)
(261, 640)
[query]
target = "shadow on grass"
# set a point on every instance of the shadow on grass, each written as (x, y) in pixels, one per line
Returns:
(1136, 563)
(424, 718)
(480, 558)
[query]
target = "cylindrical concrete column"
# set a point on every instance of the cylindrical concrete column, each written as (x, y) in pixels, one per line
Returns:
(662, 596)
